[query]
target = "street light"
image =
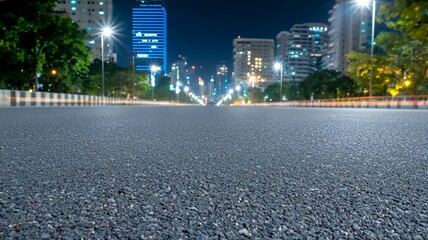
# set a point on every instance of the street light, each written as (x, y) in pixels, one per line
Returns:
(133, 74)
(186, 90)
(177, 89)
(106, 32)
(153, 70)
(366, 4)
(252, 80)
(279, 66)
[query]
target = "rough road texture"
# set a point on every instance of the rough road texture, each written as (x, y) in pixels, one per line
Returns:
(213, 173)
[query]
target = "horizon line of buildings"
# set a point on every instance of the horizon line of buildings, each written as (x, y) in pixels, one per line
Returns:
(305, 48)
(301, 50)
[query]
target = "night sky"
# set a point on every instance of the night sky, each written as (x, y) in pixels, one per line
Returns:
(203, 30)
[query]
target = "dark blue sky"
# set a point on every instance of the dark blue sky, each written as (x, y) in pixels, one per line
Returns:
(203, 30)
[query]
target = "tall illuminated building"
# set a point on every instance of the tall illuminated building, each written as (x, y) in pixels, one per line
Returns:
(350, 30)
(192, 79)
(149, 35)
(179, 71)
(222, 81)
(253, 59)
(91, 16)
(301, 49)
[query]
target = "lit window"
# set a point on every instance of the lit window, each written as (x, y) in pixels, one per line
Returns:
(101, 3)
(73, 1)
(73, 8)
(90, 29)
(101, 12)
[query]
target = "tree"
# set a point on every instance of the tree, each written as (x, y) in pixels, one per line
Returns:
(255, 95)
(36, 40)
(119, 82)
(272, 91)
(359, 70)
(402, 66)
(162, 90)
(325, 84)
(407, 45)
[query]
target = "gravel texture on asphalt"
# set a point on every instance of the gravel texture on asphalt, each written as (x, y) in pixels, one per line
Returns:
(213, 173)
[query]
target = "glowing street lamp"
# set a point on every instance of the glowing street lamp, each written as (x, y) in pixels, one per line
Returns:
(106, 32)
(366, 3)
(278, 67)
(153, 70)
(186, 90)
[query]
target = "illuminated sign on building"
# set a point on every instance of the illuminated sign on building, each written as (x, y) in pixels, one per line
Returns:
(149, 41)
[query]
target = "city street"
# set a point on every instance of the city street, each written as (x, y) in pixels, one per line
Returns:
(158, 172)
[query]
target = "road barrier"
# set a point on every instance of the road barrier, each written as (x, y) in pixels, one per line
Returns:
(12, 98)
(401, 102)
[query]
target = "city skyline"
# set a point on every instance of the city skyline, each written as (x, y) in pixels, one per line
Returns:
(204, 30)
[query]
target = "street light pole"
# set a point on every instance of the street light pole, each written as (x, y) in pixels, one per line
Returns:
(372, 47)
(152, 79)
(133, 73)
(280, 89)
(153, 70)
(102, 62)
(106, 31)
(279, 66)
(252, 79)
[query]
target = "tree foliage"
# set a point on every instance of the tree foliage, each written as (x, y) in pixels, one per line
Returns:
(33, 39)
(162, 91)
(402, 66)
(118, 82)
(273, 91)
(327, 84)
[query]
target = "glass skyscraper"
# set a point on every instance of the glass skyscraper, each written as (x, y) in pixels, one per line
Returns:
(149, 35)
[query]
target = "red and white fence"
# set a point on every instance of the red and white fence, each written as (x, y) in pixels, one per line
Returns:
(405, 102)
(11, 98)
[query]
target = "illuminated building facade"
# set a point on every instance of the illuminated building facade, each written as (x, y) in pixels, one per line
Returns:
(253, 59)
(350, 30)
(193, 79)
(179, 72)
(149, 35)
(301, 49)
(91, 16)
(222, 82)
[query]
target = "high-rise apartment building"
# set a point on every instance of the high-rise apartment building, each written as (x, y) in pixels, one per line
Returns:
(91, 16)
(301, 49)
(179, 72)
(349, 31)
(192, 79)
(149, 35)
(222, 82)
(253, 60)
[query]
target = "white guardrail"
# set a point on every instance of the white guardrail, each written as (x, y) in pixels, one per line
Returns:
(12, 98)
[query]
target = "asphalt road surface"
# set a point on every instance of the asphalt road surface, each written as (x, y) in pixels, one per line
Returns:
(213, 173)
